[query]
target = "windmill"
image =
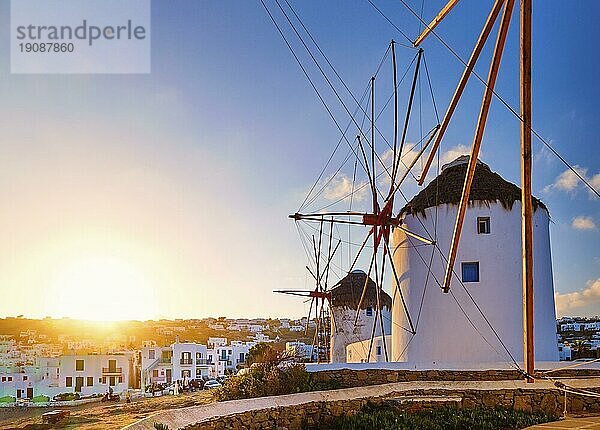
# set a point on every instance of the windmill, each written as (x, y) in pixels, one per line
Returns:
(380, 220)
(320, 297)
(526, 132)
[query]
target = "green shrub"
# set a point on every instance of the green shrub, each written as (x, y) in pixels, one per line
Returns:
(270, 380)
(7, 399)
(67, 396)
(40, 399)
(381, 418)
(161, 426)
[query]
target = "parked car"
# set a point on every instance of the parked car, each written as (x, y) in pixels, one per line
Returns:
(196, 384)
(212, 383)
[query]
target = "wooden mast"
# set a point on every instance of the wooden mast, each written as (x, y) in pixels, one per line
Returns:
(483, 114)
(526, 203)
(485, 32)
(445, 11)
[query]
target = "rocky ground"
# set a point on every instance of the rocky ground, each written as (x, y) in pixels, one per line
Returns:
(96, 416)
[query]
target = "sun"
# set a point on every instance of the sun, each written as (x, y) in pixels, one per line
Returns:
(103, 288)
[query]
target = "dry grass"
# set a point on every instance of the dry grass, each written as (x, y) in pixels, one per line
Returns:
(97, 416)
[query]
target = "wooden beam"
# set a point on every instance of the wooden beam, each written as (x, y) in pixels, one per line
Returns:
(526, 204)
(395, 81)
(483, 114)
(485, 32)
(411, 165)
(408, 111)
(416, 236)
(433, 24)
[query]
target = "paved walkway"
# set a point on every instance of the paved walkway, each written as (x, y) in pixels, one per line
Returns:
(570, 423)
(177, 418)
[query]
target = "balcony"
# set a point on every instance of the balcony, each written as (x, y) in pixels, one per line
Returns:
(186, 361)
(112, 370)
(165, 360)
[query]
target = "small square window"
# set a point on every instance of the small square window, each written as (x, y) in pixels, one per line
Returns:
(483, 225)
(369, 311)
(470, 272)
(78, 365)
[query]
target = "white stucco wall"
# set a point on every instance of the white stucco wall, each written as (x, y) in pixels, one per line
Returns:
(345, 332)
(444, 335)
(358, 352)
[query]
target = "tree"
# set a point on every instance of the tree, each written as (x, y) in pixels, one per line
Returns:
(264, 353)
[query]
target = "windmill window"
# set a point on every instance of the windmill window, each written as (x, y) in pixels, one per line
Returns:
(483, 225)
(470, 271)
(369, 311)
(378, 349)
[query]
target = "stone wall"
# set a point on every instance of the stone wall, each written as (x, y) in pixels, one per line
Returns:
(312, 415)
(348, 378)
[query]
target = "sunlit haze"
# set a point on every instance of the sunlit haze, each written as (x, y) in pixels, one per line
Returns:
(166, 195)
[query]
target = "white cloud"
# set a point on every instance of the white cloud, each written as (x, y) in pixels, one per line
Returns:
(409, 152)
(569, 182)
(455, 152)
(590, 295)
(583, 223)
(340, 187)
(544, 157)
(595, 181)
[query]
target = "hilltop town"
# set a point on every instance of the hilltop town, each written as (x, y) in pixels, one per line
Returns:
(36, 356)
(49, 357)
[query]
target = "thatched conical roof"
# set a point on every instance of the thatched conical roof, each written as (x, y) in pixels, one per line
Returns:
(487, 187)
(347, 292)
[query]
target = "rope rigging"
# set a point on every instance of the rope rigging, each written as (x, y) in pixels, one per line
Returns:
(498, 96)
(381, 220)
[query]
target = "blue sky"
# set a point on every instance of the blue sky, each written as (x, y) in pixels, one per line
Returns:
(185, 176)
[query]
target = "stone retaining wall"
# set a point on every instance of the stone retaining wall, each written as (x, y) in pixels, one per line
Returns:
(348, 378)
(312, 415)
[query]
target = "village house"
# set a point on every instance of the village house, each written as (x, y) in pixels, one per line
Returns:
(189, 360)
(83, 374)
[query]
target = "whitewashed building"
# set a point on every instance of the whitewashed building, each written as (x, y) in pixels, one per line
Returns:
(301, 350)
(83, 374)
(358, 352)
(564, 352)
(190, 360)
(157, 365)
